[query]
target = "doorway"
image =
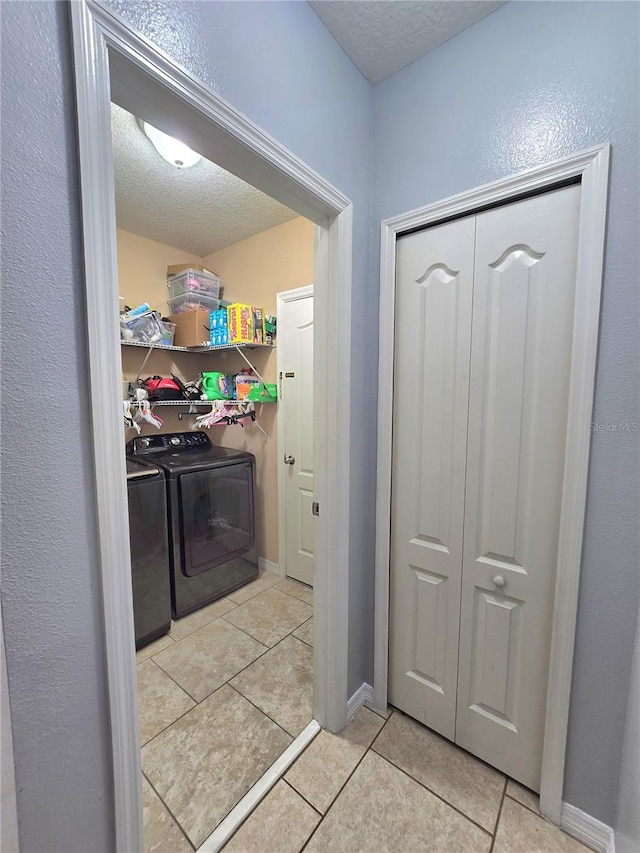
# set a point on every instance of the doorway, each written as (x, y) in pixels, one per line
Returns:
(224, 642)
(113, 63)
(297, 518)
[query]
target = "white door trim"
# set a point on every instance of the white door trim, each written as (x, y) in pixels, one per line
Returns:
(592, 168)
(282, 298)
(111, 59)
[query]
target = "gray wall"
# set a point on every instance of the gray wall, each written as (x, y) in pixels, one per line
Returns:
(50, 584)
(278, 64)
(8, 809)
(627, 824)
(528, 84)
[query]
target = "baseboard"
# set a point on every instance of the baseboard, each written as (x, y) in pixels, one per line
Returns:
(363, 694)
(254, 796)
(587, 829)
(268, 566)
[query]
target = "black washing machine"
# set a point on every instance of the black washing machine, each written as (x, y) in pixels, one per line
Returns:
(210, 494)
(148, 534)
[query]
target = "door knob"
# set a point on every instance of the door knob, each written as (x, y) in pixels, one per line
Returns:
(288, 459)
(498, 581)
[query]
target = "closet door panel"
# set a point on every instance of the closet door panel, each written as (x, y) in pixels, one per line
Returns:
(431, 383)
(524, 286)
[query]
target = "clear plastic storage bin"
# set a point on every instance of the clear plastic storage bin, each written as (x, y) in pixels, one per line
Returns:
(192, 302)
(168, 333)
(146, 328)
(194, 281)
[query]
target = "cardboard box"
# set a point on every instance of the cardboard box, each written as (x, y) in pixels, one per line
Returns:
(174, 269)
(246, 324)
(192, 328)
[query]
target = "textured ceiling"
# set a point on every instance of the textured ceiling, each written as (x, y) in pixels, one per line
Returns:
(382, 36)
(200, 210)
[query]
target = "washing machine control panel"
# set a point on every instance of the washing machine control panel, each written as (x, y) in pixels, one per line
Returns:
(174, 441)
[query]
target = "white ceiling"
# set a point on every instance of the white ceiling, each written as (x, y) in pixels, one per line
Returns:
(383, 36)
(199, 210)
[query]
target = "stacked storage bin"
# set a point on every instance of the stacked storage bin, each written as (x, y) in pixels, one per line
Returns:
(193, 290)
(193, 295)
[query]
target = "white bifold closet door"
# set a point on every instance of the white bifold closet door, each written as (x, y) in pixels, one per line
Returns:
(484, 319)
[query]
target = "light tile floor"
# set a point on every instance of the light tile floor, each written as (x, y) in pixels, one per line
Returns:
(219, 699)
(388, 783)
(229, 688)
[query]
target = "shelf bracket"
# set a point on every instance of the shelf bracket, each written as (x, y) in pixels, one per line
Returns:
(252, 367)
(146, 359)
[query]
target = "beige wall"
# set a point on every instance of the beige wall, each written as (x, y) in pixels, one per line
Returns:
(252, 271)
(142, 269)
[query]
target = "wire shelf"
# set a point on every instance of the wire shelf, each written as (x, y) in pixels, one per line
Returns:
(200, 349)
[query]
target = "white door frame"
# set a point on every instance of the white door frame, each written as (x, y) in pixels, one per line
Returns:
(113, 61)
(282, 298)
(591, 168)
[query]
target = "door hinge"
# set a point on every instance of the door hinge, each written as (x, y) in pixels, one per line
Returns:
(315, 508)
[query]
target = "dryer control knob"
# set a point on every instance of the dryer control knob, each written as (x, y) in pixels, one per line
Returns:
(175, 440)
(145, 442)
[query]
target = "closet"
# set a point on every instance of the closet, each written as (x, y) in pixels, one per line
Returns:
(484, 320)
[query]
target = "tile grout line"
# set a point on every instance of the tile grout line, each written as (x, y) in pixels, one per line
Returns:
(179, 825)
(208, 696)
(438, 796)
(146, 743)
(268, 649)
(204, 624)
(227, 682)
(150, 657)
(450, 743)
(245, 631)
(524, 806)
(264, 796)
(298, 628)
(169, 676)
(495, 829)
(330, 806)
(374, 711)
(291, 595)
(427, 788)
(198, 702)
(295, 790)
(252, 596)
(264, 713)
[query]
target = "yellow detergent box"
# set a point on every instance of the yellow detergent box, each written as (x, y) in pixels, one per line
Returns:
(246, 324)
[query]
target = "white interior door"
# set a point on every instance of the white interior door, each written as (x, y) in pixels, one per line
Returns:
(295, 366)
(432, 343)
(484, 320)
(524, 290)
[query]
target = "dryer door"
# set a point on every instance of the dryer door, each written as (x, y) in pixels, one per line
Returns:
(216, 516)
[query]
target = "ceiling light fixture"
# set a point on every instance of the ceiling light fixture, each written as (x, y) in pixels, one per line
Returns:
(172, 150)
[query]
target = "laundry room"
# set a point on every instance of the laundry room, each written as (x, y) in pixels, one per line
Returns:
(216, 319)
